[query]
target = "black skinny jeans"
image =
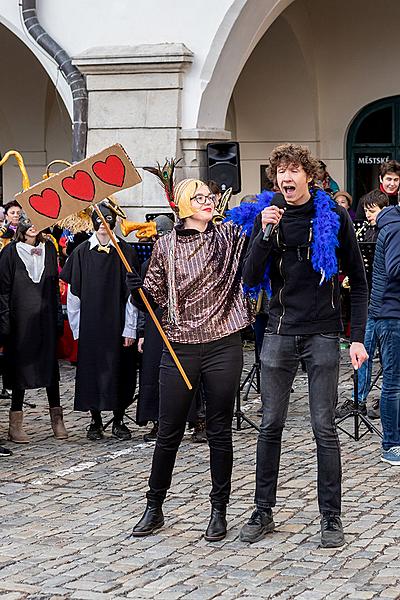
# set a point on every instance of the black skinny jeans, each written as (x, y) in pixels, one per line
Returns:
(280, 357)
(219, 364)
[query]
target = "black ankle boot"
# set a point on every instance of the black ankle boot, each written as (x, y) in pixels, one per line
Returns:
(216, 529)
(152, 520)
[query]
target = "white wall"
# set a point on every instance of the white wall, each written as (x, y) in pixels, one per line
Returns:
(314, 69)
(81, 24)
(31, 119)
(274, 99)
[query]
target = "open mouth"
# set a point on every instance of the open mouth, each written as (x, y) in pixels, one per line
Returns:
(289, 189)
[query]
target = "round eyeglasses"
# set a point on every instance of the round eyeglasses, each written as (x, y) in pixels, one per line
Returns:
(202, 199)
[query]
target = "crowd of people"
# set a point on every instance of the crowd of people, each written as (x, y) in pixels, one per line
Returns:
(283, 253)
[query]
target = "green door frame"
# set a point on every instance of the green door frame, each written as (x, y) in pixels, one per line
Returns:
(352, 147)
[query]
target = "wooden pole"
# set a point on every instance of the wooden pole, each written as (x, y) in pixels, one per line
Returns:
(145, 301)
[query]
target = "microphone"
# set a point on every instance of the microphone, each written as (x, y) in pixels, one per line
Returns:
(279, 201)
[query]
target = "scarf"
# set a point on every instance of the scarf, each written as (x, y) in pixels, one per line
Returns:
(325, 229)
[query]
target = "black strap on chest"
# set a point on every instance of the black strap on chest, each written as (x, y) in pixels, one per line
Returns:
(299, 247)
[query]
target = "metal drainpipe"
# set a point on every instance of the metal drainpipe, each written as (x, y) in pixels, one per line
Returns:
(72, 75)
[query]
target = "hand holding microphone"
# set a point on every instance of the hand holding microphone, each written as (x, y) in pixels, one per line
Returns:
(271, 216)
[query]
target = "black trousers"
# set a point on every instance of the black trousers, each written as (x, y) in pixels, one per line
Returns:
(219, 364)
(53, 397)
(280, 358)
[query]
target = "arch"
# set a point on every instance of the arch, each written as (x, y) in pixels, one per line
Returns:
(244, 24)
(33, 117)
(48, 64)
(367, 147)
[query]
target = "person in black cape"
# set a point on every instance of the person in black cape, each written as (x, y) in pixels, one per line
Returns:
(30, 321)
(104, 321)
(150, 346)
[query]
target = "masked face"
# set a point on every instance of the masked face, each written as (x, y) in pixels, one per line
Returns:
(109, 216)
(26, 227)
(24, 224)
(164, 225)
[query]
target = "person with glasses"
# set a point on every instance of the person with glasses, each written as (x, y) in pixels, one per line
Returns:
(194, 277)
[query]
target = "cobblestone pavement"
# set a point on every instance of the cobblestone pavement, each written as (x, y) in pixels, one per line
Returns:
(67, 509)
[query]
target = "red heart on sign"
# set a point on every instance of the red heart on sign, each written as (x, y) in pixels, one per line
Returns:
(111, 171)
(47, 203)
(79, 186)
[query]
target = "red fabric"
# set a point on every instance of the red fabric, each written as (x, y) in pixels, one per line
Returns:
(67, 347)
(388, 195)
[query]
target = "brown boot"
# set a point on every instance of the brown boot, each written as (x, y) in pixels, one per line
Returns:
(57, 423)
(15, 431)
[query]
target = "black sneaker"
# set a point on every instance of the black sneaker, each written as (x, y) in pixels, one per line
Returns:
(120, 431)
(374, 411)
(347, 407)
(260, 523)
(152, 435)
(5, 452)
(332, 535)
(95, 431)
(5, 395)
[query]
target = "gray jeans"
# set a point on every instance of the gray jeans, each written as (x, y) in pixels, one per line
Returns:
(280, 357)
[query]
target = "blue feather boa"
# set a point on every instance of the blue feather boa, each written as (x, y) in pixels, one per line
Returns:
(325, 229)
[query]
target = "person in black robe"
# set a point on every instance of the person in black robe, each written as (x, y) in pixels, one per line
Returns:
(30, 321)
(103, 320)
(150, 346)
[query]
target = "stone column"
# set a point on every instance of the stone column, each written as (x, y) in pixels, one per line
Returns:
(135, 99)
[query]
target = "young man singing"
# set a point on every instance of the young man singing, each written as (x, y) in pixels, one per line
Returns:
(300, 253)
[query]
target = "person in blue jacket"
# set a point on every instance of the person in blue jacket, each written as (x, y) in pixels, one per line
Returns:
(384, 324)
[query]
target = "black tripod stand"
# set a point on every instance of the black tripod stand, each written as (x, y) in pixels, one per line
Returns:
(126, 416)
(357, 416)
(251, 381)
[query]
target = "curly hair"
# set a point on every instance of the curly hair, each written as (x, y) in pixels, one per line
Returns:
(292, 154)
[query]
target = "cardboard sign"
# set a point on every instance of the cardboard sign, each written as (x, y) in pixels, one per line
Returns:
(77, 187)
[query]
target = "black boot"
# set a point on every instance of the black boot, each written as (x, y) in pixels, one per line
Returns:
(216, 530)
(152, 520)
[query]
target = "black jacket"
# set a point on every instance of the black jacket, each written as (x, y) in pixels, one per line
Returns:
(360, 212)
(385, 295)
(299, 304)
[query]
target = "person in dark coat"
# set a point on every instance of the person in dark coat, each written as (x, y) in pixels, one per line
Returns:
(383, 328)
(30, 320)
(150, 346)
(104, 320)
